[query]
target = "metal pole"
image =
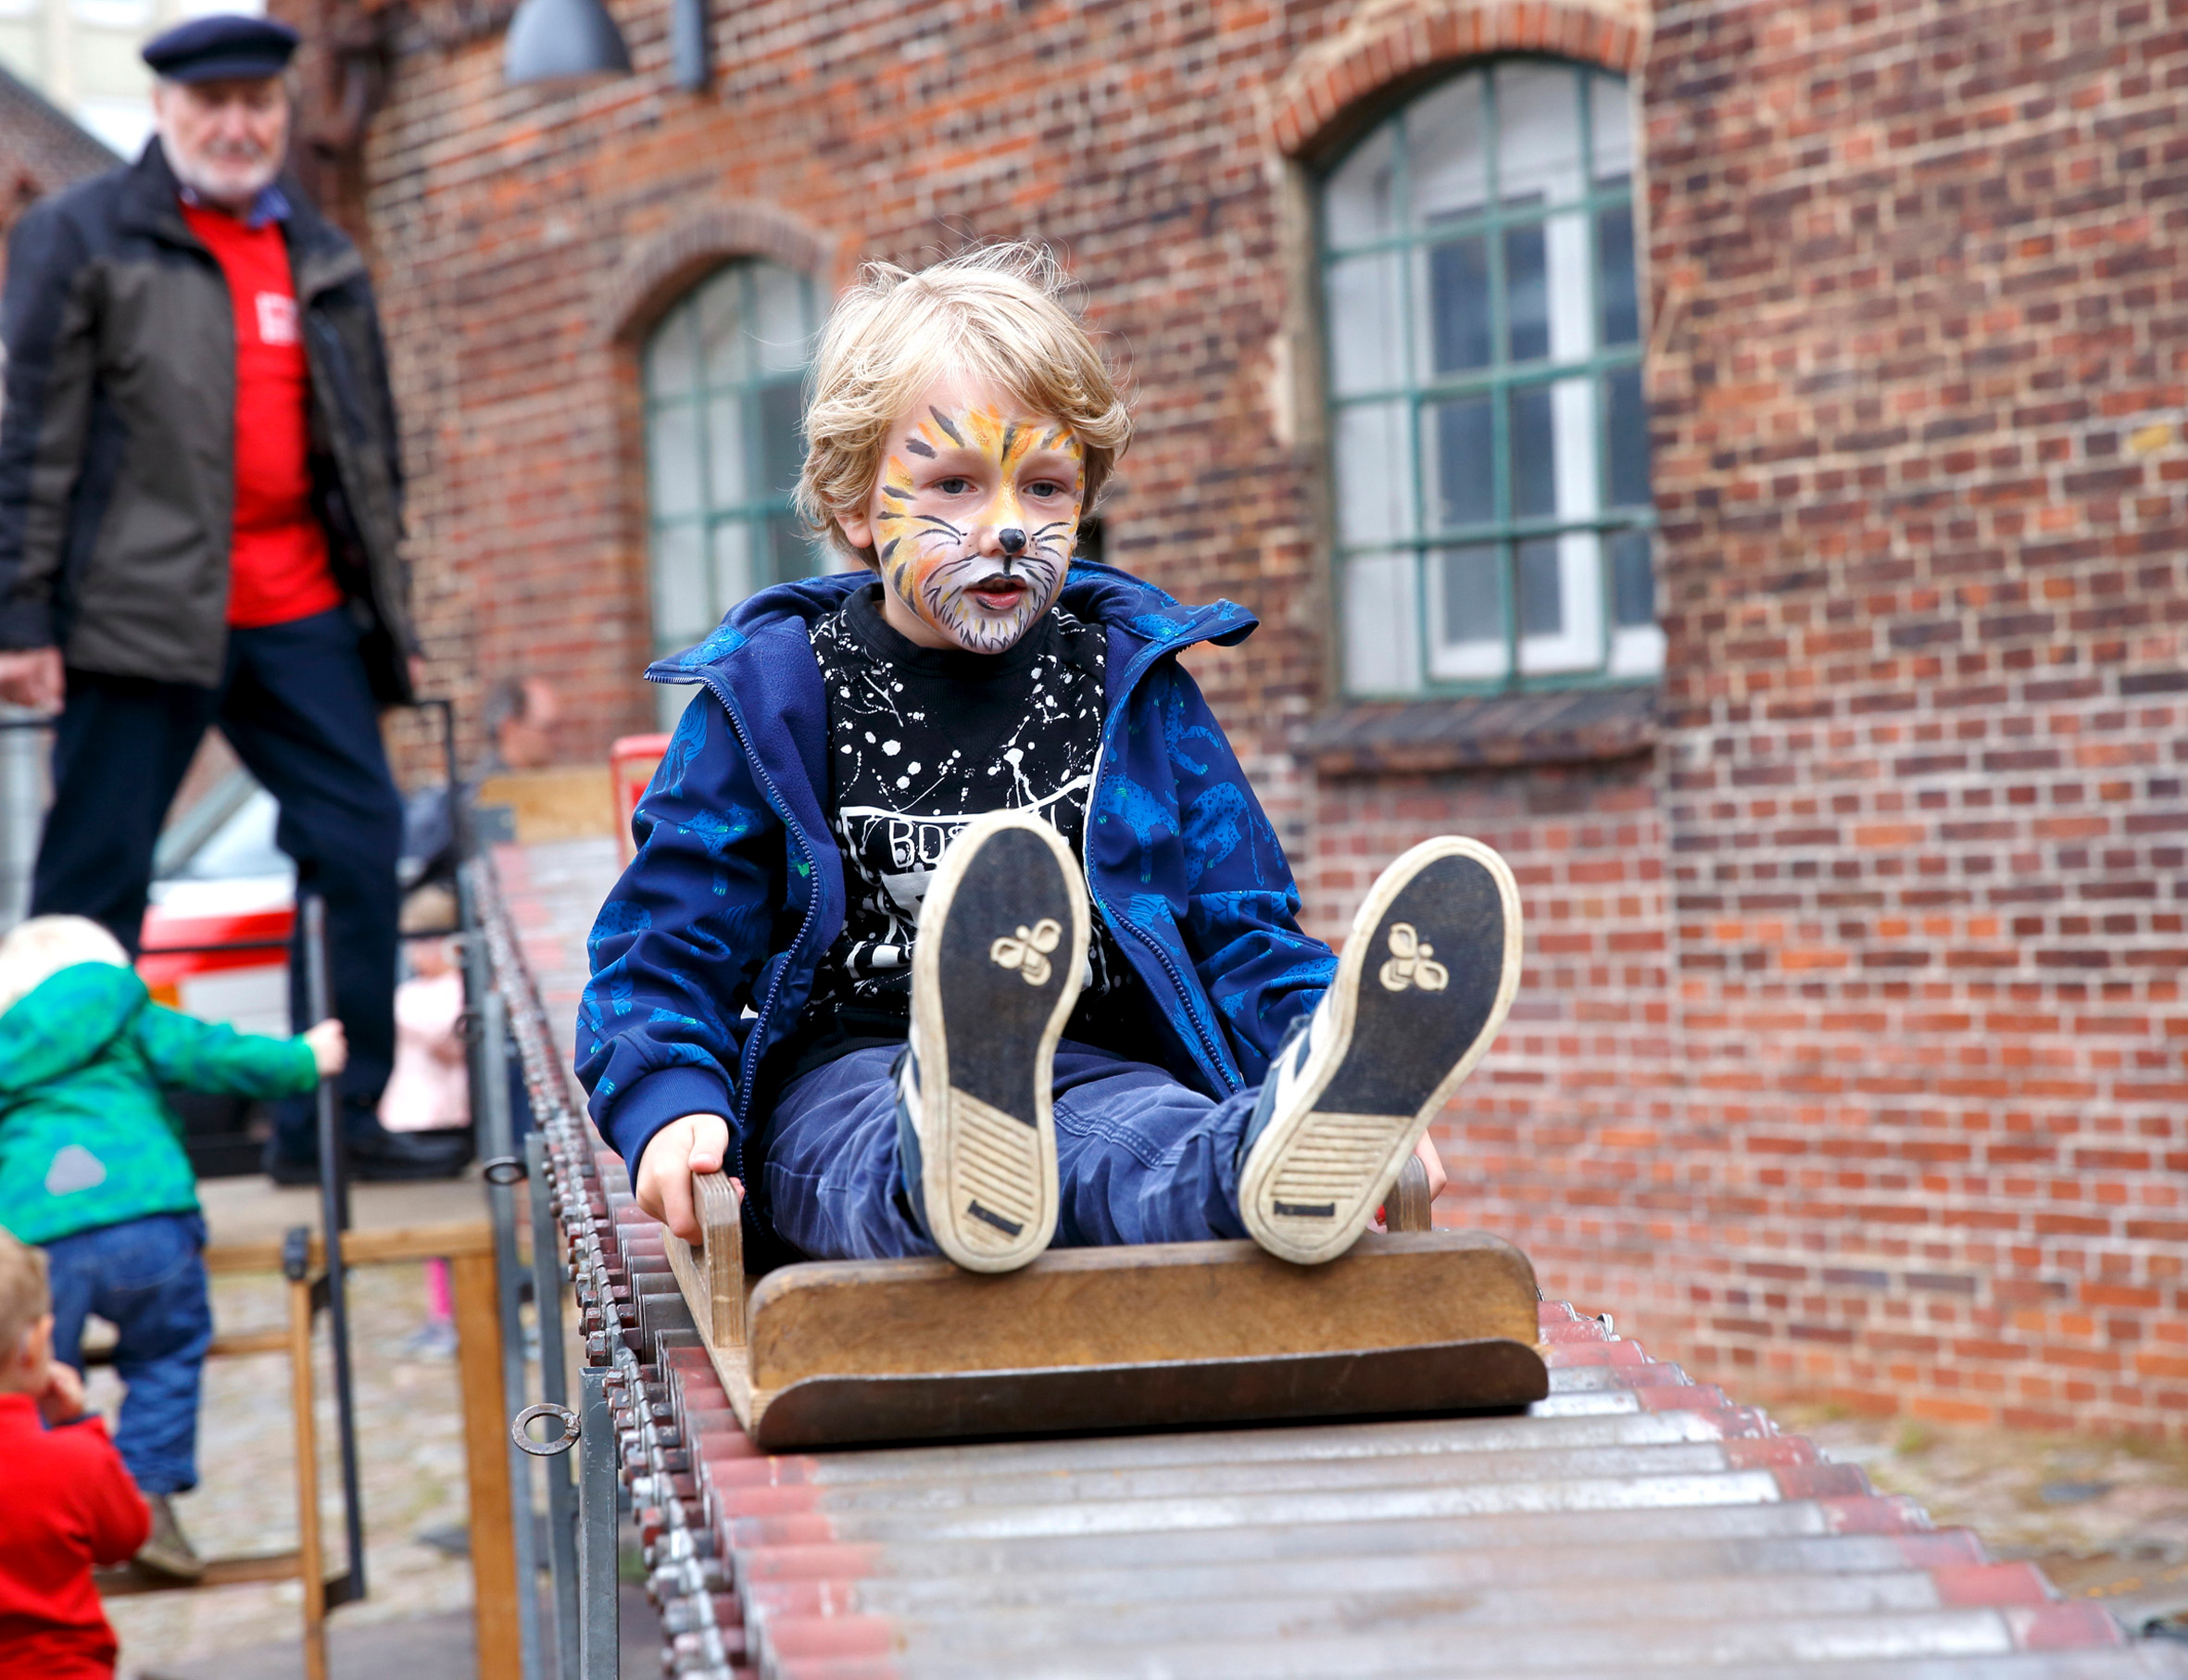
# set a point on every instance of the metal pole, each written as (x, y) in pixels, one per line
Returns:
(333, 1184)
(554, 1389)
(492, 1113)
(598, 1634)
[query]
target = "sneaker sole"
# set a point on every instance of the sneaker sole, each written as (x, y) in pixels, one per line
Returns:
(1421, 990)
(986, 961)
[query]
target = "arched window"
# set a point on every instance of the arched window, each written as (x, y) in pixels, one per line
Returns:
(722, 372)
(1490, 442)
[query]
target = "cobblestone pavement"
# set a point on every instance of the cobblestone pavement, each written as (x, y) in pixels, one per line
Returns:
(2105, 1518)
(410, 1463)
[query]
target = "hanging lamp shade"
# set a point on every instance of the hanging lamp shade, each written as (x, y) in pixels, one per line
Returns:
(562, 41)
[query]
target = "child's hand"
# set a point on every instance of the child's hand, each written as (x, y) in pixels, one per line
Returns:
(697, 1143)
(63, 1396)
(1438, 1180)
(330, 1047)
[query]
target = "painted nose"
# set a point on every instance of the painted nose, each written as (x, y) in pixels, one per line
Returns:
(1012, 540)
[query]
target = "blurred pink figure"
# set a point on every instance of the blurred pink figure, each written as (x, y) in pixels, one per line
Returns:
(427, 1091)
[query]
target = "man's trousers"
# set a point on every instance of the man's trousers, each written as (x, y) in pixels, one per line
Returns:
(294, 703)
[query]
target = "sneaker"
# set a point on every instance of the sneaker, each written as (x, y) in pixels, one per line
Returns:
(169, 1551)
(1424, 984)
(1002, 940)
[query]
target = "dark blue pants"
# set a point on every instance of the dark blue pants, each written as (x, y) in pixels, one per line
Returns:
(1140, 1157)
(146, 1277)
(294, 703)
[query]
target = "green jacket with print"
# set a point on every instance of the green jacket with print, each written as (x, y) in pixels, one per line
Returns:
(86, 1137)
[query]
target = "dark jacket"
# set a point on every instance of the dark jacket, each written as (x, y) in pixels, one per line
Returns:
(118, 442)
(738, 887)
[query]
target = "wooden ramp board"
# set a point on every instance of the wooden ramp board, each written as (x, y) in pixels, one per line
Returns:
(1090, 1338)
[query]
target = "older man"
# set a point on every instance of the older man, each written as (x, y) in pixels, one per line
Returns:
(200, 510)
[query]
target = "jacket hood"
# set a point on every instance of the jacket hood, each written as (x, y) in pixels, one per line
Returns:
(1100, 594)
(66, 1022)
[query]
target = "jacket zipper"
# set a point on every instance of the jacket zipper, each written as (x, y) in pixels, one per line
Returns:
(743, 1097)
(1211, 1053)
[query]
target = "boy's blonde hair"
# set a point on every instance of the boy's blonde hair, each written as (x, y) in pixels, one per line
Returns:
(43, 946)
(25, 1296)
(997, 311)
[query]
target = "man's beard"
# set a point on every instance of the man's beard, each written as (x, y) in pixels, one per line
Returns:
(231, 181)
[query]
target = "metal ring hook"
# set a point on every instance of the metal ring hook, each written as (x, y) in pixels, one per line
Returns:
(504, 1169)
(520, 1430)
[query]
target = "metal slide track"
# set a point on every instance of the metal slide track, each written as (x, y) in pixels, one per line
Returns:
(1633, 1522)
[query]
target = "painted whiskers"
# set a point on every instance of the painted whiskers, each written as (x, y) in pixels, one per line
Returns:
(932, 563)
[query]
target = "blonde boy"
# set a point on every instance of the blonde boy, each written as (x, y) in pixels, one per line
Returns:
(954, 923)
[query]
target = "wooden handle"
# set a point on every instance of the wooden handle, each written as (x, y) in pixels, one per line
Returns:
(1408, 1205)
(713, 1279)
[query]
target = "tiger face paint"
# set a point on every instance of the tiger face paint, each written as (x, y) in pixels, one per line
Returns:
(973, 519)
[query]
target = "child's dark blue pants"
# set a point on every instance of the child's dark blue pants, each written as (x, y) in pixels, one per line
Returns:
(1140, 1157)
(146, 1277)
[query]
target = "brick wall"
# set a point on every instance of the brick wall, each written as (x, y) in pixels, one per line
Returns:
(1848, 1061)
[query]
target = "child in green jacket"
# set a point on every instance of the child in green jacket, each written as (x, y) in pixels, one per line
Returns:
(92, 1170)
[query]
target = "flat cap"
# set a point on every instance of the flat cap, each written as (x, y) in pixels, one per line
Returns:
(217, 48)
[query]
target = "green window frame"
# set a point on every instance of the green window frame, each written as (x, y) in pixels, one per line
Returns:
(1489, 432)
(724, 376)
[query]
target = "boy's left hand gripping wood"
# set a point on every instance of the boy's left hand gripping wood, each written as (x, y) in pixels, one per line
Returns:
(832, 1353)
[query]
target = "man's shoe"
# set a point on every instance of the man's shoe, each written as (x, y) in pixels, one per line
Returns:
(383, 1156)
(995, 969)
(169, 1551)
(1424, 984)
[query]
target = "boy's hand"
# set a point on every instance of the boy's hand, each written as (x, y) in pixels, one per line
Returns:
(697, 1143)
(1438, 1180)
(63, 1396)
(330, 1047)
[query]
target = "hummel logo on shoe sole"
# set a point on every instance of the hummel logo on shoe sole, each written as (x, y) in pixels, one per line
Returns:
(1409, 964)
(1029, 952)
(1306, 1210)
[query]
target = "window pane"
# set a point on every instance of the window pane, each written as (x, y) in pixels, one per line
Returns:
(720, 310)
(791, 555)
(1633, 583)
(1526, 294)
(1572, 412)
(1537, 134)
(1561, 604)
(1466, 609)
(682, 611)
(778, 328)
(1360, 203)
(1366, 321)
(1542, 595)
(1459, 306)
(1627, 424)
(670, 370)
(672, 443)
(1461, 464)
(1611, 115)
(726, 452)
(1381, 624)
(1572, 321)
(1534, 455)
(733, 564)
(1473, 596)
(1374, 489)
(1445, 152)
(1617, 295)
(781, 449)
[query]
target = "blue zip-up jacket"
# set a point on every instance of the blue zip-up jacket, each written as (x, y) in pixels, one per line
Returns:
(705, 952)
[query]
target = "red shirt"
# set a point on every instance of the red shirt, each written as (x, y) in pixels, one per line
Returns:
(277, 557)
(66, 1502)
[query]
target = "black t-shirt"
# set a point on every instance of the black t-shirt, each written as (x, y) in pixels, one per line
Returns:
(921, 741)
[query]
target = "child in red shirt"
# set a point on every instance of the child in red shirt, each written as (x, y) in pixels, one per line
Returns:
(66, 1499)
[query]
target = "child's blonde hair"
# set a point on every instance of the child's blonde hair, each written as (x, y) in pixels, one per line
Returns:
(43, 946)
(1000, 312)
(25, 1296)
